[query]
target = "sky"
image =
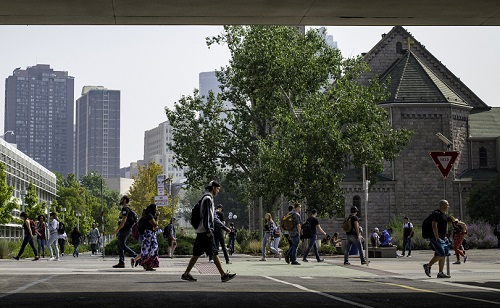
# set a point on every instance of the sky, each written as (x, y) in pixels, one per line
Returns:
(153, 66)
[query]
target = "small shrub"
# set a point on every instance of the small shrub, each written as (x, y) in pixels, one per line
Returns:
(253, 247)
(4, 249)
(480, 235)
(327, 250)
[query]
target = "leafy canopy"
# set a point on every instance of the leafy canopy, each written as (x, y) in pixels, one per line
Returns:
(291, 117)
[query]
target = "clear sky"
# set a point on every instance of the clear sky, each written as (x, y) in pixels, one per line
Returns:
(153, 66)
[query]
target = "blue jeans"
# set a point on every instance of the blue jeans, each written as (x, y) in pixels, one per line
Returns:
(292, 252)
(75, 252)
(266, 237)
(312, 243)
(406, 242)
(122, 246)
(353, 240)
(41, 246)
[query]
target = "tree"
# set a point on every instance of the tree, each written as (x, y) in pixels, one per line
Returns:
(482, 202)
(143, 191)
(32, 207)
(6, 201)
(298, 117)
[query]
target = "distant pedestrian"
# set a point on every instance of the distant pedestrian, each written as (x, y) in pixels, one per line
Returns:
(291, 255)
(42, 233)
(268, 226)
(219, 233)
(205, 242)
(439, 242)
(286, 233)
(29, 234)
(459, 231)
(62, 239)
(315, 227)
(125, 223)
(375, 238)
(76, 238)
(149, 246)
(353, 237)
(171, 236)
(53, 237)
(232, 237)
(407, 236)
(94, 238)
(496, 231)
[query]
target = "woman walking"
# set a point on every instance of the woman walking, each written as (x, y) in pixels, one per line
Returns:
(149, 246)
(41, 235)
(29, 234)
(459, 231)
(271, 233)
(76, 237)
(53, 236)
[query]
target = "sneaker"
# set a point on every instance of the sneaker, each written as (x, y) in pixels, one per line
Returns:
(287, 259)
(443, 275)
(347, 263)
(15, 258)
(149, 269)
(427, 270)
(36, 259)
(227, 277)
(408, 256)
(132, 262)
(364, 262)
(305, 260)
(457, 262)
(62, 255)
(51, 259)
(321, 260)
(465, 258)
(262, 259)
(279, 256)
(210, 261)
(228, 262)
(295, 263)
(119, 265)
(188, 277)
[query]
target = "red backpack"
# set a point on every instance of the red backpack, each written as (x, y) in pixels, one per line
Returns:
(32, 226)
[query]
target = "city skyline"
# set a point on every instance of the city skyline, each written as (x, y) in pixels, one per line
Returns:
(154, 66)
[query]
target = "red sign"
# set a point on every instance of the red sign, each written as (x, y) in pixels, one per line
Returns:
(444, 161)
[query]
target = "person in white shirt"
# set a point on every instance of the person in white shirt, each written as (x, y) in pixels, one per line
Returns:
(53, 236)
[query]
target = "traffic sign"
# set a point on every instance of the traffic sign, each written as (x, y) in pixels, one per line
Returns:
(161, 200)
(444, 161)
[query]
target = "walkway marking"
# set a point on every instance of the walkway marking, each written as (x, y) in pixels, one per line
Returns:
(430, 291)
(29, 285)
(319, 293)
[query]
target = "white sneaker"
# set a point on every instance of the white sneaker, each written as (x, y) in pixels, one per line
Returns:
(51, 259)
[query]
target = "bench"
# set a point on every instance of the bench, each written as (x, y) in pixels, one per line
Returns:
(382, 252)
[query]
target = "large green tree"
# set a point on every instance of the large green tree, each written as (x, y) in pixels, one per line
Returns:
(298, 117)
(6, 201)
(482, 202)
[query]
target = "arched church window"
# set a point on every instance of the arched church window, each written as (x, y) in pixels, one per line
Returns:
(483, 157)
(399, 47)
(356, 201)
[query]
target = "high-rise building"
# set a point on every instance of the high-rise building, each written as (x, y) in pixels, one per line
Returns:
(39, 106)
(98, 132)
(156, 149)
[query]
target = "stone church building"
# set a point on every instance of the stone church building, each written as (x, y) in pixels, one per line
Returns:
(426, 98)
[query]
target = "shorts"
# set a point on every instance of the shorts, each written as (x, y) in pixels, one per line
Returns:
(171, 241)
(441, 247)
(204, 245)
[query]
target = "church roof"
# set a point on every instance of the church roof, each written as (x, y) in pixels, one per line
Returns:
(485, 124)
(411, 81)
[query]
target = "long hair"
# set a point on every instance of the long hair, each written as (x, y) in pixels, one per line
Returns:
(151, 209)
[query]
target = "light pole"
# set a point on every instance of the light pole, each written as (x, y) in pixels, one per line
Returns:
(23, 195)
(77, 214)
(63, 210)
(49, 203)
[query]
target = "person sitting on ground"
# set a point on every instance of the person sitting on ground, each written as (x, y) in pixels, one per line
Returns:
(375, 237)
(385, 238)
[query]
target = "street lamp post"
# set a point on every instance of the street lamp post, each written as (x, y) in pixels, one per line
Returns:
(78, 214)
(63, 210)
(23, 195)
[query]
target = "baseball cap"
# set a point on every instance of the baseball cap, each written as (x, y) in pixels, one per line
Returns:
(354, 209)
(212, 184)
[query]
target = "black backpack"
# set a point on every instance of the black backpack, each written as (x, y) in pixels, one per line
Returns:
(141, 225)
(196, 213)
(132, 218)
(427, 232)
(306, 230)
(61, 228)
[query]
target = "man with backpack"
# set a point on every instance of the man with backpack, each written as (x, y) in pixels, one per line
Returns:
(29, 234)
(314, 227)
(294, 233)
(204, 228)
(439, 242)
(353, 236)
(126, 220)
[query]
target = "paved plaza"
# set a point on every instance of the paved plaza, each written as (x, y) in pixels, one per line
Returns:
(397, 282)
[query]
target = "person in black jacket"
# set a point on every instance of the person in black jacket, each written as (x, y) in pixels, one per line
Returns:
(76, 237)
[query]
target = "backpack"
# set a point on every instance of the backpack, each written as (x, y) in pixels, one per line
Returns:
(287, 222)
(306, 230)
(33, 227)
(135, 231)
(427, 227)
(196, 213)
(347, 224)
(141, 225)
(132, 218)
(61, 228)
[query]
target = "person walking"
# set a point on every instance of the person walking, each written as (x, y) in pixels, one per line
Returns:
(76, 238)
(53, 237)
(94, 238)
(459, 231)
(407, 236)
(439, 242)
(171, 235)
(496, 232)
(291, 256)
(353, 237)
(286, 233)
(232, 237)
(205, 242)
(29, 234)
(315, 227)
(41, 235)
(62, 239)
(125, 223)
(219, 233)
(268, 226)
(149, 246)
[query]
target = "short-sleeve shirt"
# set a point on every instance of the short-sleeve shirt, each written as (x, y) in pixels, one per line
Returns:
(147, 223)
(296, 221)
(407, 229)
(313, 221)
(353, 230)
(123, 214)
(442, 223)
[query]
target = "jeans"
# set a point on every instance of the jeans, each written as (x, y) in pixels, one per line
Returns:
(292, 252)
(27, 240)
(274, 245)
(62, 244)
(75, 252)
(93, 247)
(353, 240)
(41, 246)
(122, 246)
(219, 240)
(266, 237)
(312, 243)
(406, 242)
(53, 241)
